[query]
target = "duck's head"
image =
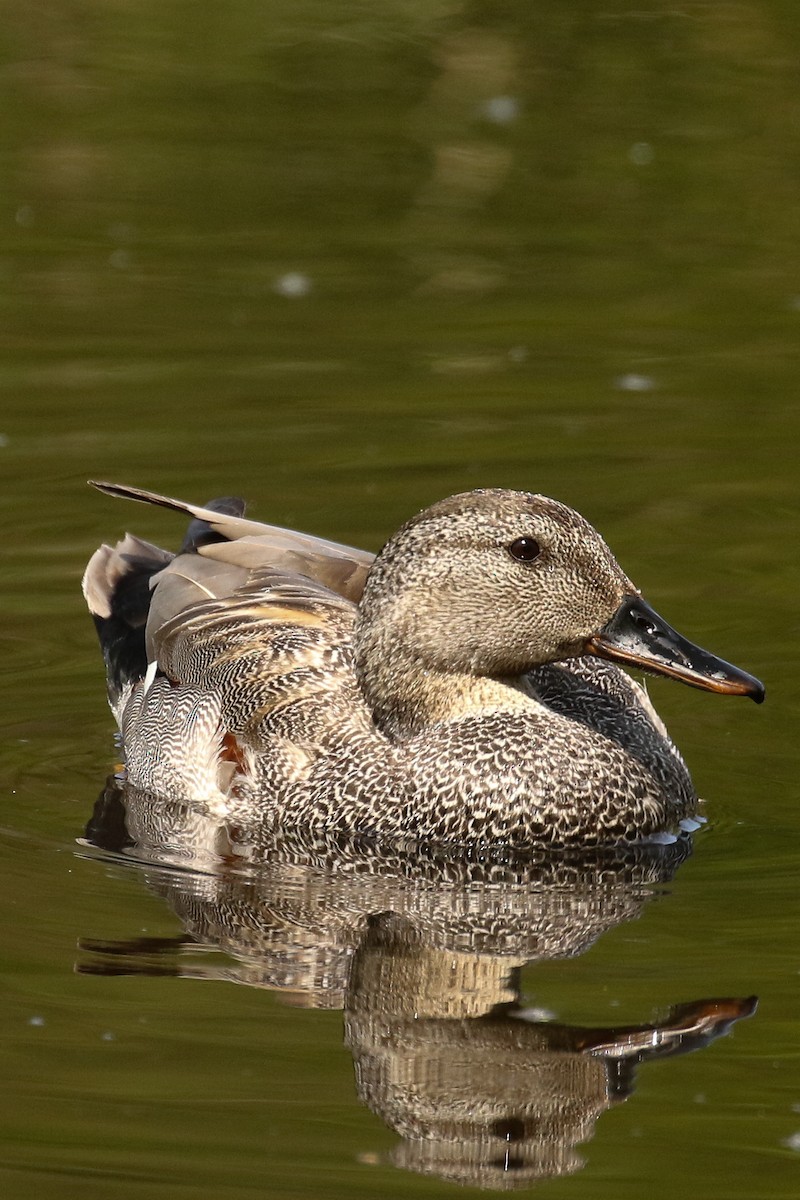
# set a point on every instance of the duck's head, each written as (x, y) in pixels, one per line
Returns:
(496, 582)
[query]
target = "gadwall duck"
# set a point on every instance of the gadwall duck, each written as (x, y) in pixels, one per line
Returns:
(457, 688)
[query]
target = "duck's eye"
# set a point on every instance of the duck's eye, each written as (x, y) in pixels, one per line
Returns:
(525, 549)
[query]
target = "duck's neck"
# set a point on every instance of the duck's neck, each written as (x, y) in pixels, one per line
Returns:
(406, 693)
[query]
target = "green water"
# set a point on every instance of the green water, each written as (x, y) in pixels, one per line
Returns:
(345, 259)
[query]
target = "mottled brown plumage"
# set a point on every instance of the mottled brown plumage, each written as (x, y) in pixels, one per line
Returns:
(446, 692)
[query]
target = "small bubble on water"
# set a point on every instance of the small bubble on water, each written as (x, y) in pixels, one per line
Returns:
(108, 1036)
(3, 440)
(634, 383)
(501, 110)
(792, 1142)
(641, 154)
(36, 1021)
(25, 216)
(293, 284)
(120, 260)
(534, 1014)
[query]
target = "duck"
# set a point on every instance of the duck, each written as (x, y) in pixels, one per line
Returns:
(466, 686)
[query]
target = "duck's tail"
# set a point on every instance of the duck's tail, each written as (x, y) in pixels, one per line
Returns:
(116, 585)
(117, 580)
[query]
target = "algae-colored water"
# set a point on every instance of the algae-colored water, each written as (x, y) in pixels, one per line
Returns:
(345, 259)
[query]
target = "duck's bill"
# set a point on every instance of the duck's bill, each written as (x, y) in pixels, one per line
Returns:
(638, 637)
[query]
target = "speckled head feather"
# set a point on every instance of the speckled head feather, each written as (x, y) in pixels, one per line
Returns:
(453, 562)
(447, 594)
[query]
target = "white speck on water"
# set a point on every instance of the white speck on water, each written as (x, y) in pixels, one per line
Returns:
(120, 260)
(641, 154)
(518, 354)
(501, 110)
(534, 1014)
(293, 284)
(25, 216)
(37, 1021)
(792, 1142)
(3, 440)
(700, 1098)
(634, 383)
(108, 1036)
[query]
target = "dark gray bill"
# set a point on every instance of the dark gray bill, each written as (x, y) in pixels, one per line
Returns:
(638, 637)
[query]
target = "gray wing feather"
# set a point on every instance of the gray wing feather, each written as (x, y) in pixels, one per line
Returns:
(274, 539)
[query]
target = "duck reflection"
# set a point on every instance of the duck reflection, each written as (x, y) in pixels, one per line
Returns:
(482, 1090)
(424, 955)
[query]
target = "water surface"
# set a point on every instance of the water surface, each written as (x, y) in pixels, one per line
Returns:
(344, 263)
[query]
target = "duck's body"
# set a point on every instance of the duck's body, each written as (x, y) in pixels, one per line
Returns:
(449, 691)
